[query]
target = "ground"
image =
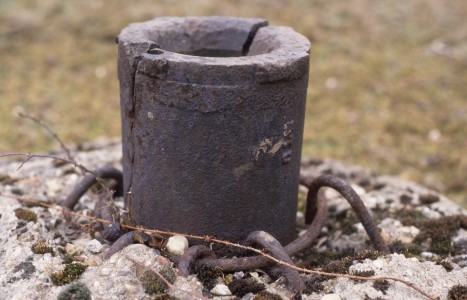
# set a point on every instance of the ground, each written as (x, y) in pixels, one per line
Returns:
(387, 85)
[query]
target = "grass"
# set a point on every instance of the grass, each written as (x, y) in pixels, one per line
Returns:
(387, 87)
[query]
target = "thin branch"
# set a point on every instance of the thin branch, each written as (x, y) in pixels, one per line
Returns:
(211, 239)
(50, 131)
(29, 156)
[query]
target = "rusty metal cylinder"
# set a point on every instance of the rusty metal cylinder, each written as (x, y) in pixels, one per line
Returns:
(212, 123)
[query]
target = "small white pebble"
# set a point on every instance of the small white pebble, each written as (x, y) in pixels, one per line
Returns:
(177, 245)
(379, 263)
(221, 290)
(238, 275)
(73, 249)
(331, 297)
(94, 246)
(248, 296)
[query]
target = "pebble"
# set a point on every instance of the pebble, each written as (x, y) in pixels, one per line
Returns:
(238, 275)
(248, 296)
(300, 218)
(379, 263)
(427, 212)
(221, 290)
(94, 246)
(177, 245)
(73, 249)
(393, 230)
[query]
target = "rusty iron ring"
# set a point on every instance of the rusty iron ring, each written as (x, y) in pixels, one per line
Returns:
(89, 180)
(106, 210)
(273, 247)
(189, 257)
(355, 202)
(125, 240)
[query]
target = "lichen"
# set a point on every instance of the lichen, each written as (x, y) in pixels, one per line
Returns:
(26, 215)
(27, 269)
(75, 291)
(70, 273)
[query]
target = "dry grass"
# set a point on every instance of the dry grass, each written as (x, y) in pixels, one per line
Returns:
(387, 88)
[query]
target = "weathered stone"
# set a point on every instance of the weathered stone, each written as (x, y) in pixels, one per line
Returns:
(94, 246)
(177, 245)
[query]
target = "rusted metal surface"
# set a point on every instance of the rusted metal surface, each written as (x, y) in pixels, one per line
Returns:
(89, 180)
(355, 202)
(272, 246)
(189, 257)
(211, 145)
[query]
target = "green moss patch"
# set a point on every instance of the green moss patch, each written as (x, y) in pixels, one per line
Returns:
(70, 273)
(26, 215)
(458, 292)
(152, 283)
(75, 291)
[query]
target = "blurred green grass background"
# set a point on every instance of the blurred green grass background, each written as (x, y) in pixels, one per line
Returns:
(388, 84)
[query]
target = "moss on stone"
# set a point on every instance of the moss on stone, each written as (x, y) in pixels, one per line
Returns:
(42, 247)
(438, 233)
(265, 295)
(208, 275)
(342, 266)
(409, 250)
(75, 291)
(458, 292)
(26, 215)
(70, 273)
(240, 287)
(363, 273)
(381, 285)
(152, 283)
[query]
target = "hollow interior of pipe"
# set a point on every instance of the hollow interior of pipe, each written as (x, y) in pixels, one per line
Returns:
(213, 53)
(209, 40)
